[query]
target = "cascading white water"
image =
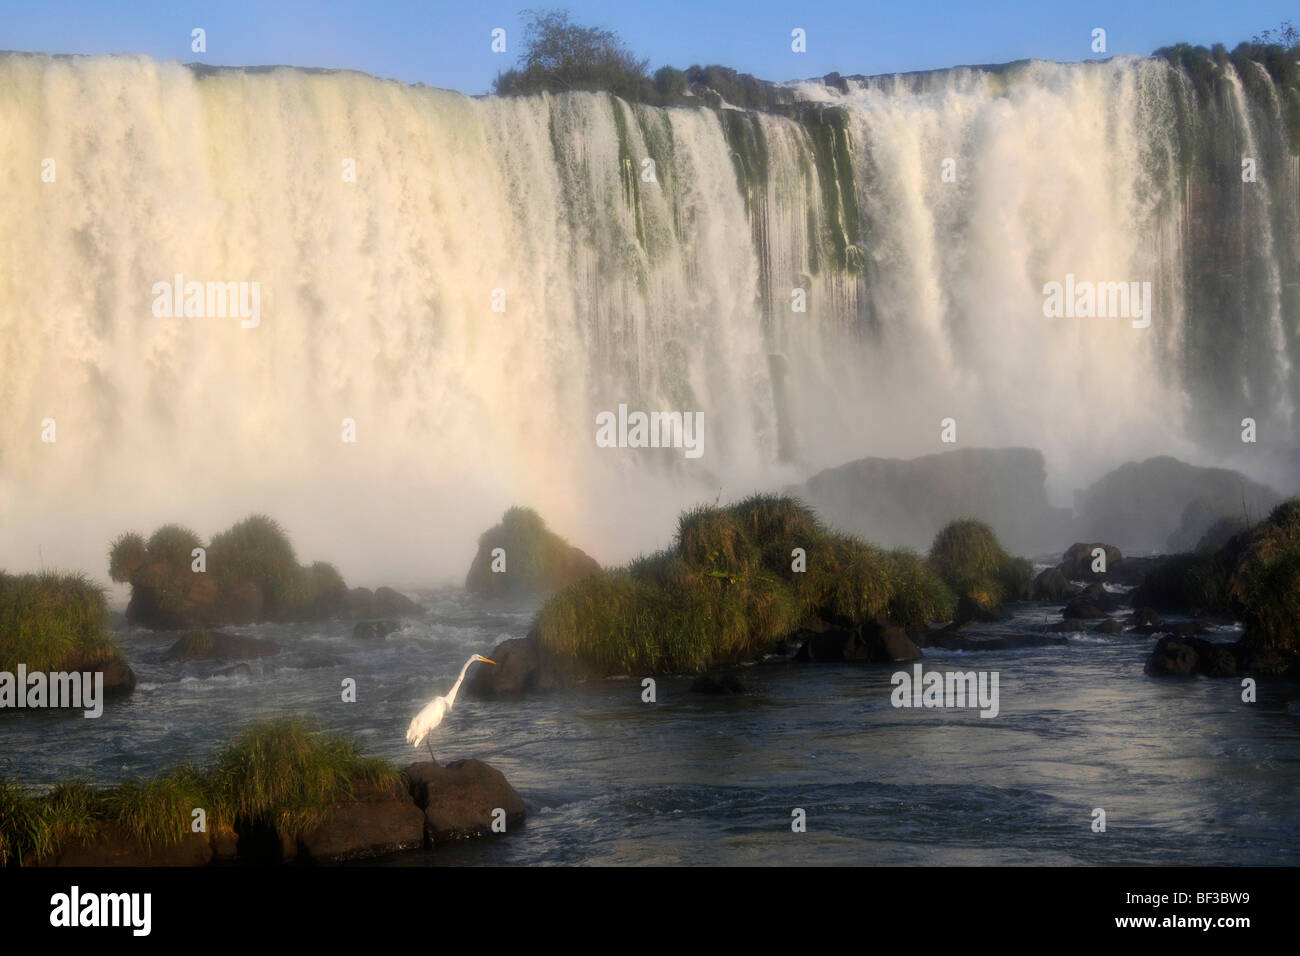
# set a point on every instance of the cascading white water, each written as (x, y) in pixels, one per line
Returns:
(377, 299)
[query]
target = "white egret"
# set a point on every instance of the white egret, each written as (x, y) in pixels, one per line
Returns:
(433, 712)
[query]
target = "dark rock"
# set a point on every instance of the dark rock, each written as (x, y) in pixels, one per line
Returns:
(374, 630)
(390, 603)
(970, 611)
(380, 820)
(1146, 621)
(119, 679)
(523, 666)
(1080, 608)
(460, 799)
(1052, 585)
(1186, 627)
(873, 643)
(1109, 626)
(1077, 561)
(111, 846)
(1172, 657)
(718, 684)
(1216, 660)
(216, 646)
(953, 641)
(1264, 663)
(1072, 625)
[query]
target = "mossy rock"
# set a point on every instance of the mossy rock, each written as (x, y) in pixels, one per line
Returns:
(535, 559)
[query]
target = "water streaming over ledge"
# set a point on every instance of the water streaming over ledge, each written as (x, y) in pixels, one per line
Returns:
(924, 297)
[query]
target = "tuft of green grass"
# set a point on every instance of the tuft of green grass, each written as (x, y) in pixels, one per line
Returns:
(735, 582)
(126, 556)
(1195, 583)
(286, 774)
(1265, 585)
(257, 550)
(52, 622)
(968, 557)
(919, 595)
(283, 774)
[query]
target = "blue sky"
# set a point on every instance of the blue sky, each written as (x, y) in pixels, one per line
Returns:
(447, 44)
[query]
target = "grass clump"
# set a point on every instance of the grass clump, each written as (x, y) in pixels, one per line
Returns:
(52, 622)
(735, 581)
(284, 774)
(966, 554)
(1186, 583)
(250, 573)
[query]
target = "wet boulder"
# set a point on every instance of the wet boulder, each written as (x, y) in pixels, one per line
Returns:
(522, 667)
(1077, 562)
(377, 821)
(1052, 585)
(374, 630)
(463, 799)
(201, 645)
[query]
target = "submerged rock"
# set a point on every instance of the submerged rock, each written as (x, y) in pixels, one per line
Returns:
(216, 646)
(718, 684)
(374, 630)
(462, 799)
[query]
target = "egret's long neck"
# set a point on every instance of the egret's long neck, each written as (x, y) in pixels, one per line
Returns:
(455, 688)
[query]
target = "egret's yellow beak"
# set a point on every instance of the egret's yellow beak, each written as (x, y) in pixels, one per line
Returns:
(486, 661)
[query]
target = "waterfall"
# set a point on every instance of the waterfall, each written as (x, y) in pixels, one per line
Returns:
(499, 271)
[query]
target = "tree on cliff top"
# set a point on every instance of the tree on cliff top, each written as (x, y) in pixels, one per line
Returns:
(560, 55)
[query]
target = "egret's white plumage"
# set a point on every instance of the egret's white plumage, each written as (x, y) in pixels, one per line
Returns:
(431, 716)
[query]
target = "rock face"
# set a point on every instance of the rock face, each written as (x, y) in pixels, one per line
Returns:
(381, 820)
(523, 667)
(904, 503)
(873, 643)
(462, 799)
(1140, 505)
(522, 556)
(216, 646)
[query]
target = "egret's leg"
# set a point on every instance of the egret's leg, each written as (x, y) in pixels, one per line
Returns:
(430, 749)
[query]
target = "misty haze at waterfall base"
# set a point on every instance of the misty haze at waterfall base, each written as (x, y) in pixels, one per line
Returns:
(237, 265)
